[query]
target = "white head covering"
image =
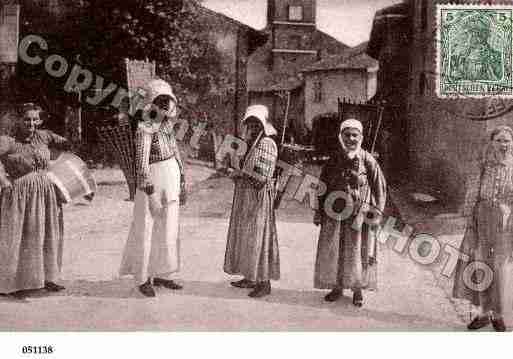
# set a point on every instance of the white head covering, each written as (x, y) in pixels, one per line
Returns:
(159, 87)
(262, 114)
(351, 123)
(155, 88)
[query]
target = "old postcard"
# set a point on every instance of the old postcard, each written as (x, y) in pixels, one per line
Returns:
(254, 166)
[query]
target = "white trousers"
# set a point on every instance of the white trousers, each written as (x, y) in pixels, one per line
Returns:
(153, 246)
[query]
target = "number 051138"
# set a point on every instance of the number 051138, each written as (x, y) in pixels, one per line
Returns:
(37, 349)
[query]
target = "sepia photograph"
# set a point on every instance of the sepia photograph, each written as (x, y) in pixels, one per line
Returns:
(244, 166)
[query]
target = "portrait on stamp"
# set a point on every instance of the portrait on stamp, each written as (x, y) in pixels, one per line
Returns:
(474, 51)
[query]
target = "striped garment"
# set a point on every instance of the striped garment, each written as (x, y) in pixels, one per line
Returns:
(20, 158)
(260, 163)
(252, 244)
(31, 222)
(489, 237)
(151, 147)
(497, 184)
(47, 138)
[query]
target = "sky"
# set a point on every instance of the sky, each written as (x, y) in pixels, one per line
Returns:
(349, 21)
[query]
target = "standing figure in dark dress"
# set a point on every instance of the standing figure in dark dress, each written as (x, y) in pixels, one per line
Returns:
(346, 253)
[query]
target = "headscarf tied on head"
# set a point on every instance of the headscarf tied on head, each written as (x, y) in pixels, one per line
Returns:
(261, 113)
(491, 155)
(350, 123)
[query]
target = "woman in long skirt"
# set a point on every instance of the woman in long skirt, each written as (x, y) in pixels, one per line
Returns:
(152, 251)
(488, 238)
(31, 222)
(252, 246)
(347, 247)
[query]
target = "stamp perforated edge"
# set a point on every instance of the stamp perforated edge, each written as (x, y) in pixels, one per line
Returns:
(439, 7)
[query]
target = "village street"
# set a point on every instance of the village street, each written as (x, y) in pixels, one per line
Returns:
(96, 299)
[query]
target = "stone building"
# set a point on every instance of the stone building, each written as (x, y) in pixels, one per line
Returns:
(352, 75)
(442, 138)
(275, 69)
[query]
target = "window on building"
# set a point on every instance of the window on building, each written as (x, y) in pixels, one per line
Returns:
(295, 13)
(317, 91)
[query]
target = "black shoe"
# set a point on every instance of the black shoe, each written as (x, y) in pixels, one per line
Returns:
(147, 290)
(166, 283)
(358, 298)
(243, 283)
(479, 322)
(261, 290)
(498, 325)
(53, 287)
(334, 295)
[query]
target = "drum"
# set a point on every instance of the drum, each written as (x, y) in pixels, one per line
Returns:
(71, 177)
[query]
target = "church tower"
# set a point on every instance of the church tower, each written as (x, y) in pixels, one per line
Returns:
(292, 24)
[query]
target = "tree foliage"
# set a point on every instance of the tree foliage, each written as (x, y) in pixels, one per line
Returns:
(168, 32)
(103, 33)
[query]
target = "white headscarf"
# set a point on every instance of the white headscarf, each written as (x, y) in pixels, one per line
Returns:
(156, 88)
(261, 113)
(350, 123)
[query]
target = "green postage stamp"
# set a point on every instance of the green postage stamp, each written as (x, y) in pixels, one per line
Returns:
(474, 56)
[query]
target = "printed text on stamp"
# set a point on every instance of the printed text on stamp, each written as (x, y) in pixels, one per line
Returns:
(474, 51)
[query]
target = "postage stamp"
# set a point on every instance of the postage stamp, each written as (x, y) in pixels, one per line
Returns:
(474, 51)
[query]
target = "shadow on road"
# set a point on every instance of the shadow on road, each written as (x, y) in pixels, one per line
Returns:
(6, 298)
(406, 320)
(125, 289)
(315, 299)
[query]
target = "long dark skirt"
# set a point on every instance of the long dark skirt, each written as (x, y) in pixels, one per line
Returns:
(345, 258)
